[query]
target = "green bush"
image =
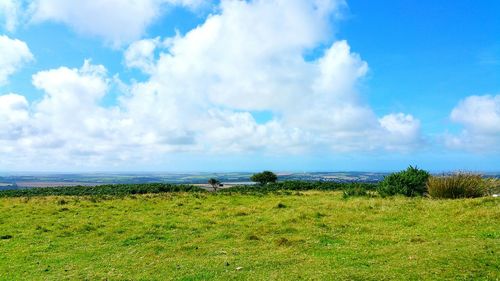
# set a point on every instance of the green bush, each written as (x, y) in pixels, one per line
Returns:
(410, 182)
(460, 185)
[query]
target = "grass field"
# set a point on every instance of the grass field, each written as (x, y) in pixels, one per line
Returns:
(309, 235)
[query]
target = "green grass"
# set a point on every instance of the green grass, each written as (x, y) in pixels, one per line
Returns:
(313, 235)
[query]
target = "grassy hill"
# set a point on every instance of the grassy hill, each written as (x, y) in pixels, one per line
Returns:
(203, 236)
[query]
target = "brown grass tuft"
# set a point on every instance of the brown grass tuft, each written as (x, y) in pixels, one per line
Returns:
(459, 185)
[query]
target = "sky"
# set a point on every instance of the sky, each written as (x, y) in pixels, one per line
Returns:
(229, 85)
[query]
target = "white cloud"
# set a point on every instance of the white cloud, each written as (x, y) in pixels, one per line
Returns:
(116, 21)
(14, 116)
(13, 55)
(205, 83)
(141, 54)
(402, 129)
(68, 125)
(69, 111)
(479, 114)
(203, 87)
(480, 118)
(9, 13)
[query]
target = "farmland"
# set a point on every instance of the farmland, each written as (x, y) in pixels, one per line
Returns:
(68, 179)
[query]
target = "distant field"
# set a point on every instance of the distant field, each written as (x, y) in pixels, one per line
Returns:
(46, 180)
(203, 236)
(54, 183)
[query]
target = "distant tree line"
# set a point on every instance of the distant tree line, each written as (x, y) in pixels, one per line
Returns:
(410, 182)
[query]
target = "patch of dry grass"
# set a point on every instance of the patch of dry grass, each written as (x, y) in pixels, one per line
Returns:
(459, 185)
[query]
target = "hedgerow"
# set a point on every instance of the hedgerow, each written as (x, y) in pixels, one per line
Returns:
(298, 186)
(114, 190)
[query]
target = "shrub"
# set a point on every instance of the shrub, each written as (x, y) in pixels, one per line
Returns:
(280, 206)
(264, 177)
(460, 185)
(410, 182)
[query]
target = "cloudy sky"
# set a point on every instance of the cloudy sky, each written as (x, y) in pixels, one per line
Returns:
(288, 85)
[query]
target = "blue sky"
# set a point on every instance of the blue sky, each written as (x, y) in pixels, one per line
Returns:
(423, 53)
(188, 85)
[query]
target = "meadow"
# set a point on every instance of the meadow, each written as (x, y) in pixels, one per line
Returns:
(292, 235)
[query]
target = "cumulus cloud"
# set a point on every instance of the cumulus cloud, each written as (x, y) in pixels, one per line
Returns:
(14, 116)
(116, 21)
(403, 130)
(13, 55)
(141, 54)
(480, 118)
(250, 57)
(479, 114)
(203, 87)
(68, 123)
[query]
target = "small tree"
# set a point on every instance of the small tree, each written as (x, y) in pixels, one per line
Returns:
(214, 183)
(264, 177)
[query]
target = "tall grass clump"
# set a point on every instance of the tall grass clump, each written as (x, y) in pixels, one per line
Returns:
(459, 185)
(410, 182)
(493, 185)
